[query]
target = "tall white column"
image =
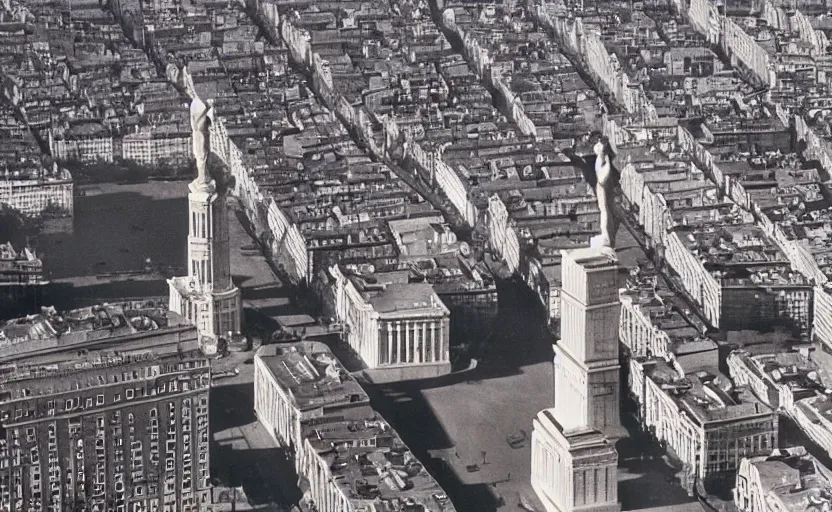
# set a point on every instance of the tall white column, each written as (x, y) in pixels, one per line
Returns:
(389, 343)
(439, 344)
(424, 345)
(409, 341)
(434, 351)
(399, 342)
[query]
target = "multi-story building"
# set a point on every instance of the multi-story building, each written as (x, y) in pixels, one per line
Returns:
(795, 382)
(787, 480)
(350, 457)
(400, 330)
(83, 148)
(32, 195)
(149, 148)
(104, 408)
(708, 423)
(21, 281)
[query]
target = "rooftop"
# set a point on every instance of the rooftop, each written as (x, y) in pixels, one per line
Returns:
(368, 460)
(793, 479)
(706, 394)
(71, 330)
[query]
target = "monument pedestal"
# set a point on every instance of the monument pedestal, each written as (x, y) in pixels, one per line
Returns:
(573, 470)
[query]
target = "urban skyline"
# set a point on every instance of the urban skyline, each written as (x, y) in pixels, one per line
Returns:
(371, 223)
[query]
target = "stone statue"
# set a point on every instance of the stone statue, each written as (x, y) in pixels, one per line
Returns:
(201, 115)
(604, 192)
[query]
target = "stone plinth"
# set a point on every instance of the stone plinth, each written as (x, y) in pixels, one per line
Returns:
(573, 470)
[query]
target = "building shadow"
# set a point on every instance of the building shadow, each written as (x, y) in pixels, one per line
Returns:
(66, 295)
(266, 475)
(232, 405)
(407, 411)
(791, 435)
(117, 232)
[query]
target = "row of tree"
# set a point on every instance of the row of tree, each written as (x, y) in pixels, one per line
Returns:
(127, 171)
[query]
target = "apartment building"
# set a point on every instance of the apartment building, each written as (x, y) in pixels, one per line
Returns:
(709, 423)
(794, 381)
(786, 480)
(34, 195)
(350, 457)
(106, 408)
(149, 148)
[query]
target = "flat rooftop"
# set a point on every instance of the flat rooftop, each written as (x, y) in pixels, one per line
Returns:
(407, 299)
(707, 395)
(793, 478)
(369, 461)
(311, 375)
(52, 330)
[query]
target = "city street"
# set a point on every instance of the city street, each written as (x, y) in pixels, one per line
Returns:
(454, 423)
(244, 453)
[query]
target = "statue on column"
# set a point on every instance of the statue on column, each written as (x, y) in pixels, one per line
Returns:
(201, 115)
(605, 185)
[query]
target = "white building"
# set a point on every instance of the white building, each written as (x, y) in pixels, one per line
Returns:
(707, 422)
(787, 480)
(574, 463)
(148, 148)
(347, 456)
(207, 296)
(401, 331)
(32, 196)
(85, 149)
(793, 382)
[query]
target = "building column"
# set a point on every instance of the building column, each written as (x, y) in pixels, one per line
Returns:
(408, 341)
(389, 328)
(436, 341)
(439, 340)
(398, 342)
(424, 345)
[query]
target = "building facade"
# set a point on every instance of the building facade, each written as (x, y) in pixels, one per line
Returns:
(400, 331)
(21, 281)
(149, 149)
(710, 425)
(122, 427)
(574, 463)
(787, 480)
(33, 197)
(311, 405)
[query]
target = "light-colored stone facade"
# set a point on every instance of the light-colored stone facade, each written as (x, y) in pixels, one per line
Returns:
(574, 463)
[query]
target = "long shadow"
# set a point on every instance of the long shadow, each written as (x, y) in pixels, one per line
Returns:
(266, 475)
(417, 425)
(232, 406)
(792, 435)
(117, 232)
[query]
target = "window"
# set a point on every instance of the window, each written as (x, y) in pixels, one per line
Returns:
(68, 405)
(117, 397)
(130, 394)
(99, 400)
(89, 403)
